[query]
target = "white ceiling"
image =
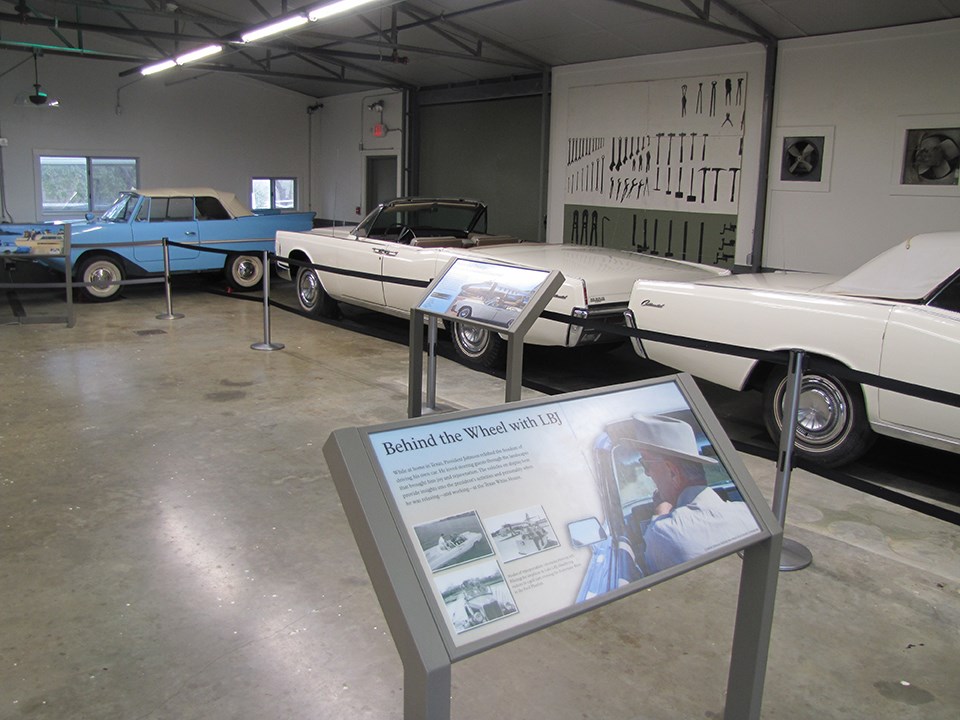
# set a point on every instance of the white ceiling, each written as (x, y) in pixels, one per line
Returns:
(427, 43)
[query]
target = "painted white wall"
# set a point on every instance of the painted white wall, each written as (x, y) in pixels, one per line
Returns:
(342, 139)
(217, 130)
(747, 59)
(861, 85)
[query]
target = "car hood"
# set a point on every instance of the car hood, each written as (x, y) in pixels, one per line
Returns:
(609, 274)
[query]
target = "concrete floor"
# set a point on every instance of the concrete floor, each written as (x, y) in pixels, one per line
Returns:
(172, 547)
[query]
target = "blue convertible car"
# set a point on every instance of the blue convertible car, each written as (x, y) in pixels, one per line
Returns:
(126, 239)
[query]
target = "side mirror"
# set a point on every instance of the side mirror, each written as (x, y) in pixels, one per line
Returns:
(586, 532)
(89, 216)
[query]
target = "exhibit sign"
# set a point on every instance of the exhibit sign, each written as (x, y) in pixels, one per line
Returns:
(518, 516)
(490, 294)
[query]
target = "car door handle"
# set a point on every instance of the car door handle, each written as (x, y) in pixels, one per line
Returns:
(189, 232)
(382, 251)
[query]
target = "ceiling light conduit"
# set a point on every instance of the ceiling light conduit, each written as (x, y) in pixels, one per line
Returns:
(291, 22)
(189, 57)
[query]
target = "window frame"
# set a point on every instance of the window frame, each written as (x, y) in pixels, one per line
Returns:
(89, 161)
(273, 180)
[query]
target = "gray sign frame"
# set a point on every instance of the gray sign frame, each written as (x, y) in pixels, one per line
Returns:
(425, 643)
(422, 313)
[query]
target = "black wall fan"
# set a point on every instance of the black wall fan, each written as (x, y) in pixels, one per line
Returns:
(936, 157)
(802, 159)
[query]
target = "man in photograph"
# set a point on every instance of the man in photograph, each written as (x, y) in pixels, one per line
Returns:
(689, 518)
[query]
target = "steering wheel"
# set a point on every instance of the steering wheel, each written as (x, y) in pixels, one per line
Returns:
(404, 234)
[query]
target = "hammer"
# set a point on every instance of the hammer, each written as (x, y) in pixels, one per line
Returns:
(733, 184)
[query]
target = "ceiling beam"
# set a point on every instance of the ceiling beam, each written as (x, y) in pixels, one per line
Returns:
(749, 22)
(694, 19)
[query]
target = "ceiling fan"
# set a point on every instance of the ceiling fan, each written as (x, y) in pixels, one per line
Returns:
(39, 97)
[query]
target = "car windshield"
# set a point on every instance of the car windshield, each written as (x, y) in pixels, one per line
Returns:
(426, 218)
(122, 209)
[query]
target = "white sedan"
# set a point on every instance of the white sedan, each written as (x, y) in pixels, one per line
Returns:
(386, 262)
(897, 316)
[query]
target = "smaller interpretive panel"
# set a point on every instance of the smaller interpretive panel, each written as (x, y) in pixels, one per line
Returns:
(485, 293)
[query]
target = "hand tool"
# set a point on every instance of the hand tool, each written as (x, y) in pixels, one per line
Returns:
(733, 184)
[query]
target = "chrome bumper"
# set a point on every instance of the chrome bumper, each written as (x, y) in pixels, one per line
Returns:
(631, 322)
(612, 314)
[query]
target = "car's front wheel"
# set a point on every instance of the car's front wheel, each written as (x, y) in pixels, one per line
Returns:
(478, 346)
(244, 272)
(312, 297)
(98, 272)
(832, 427)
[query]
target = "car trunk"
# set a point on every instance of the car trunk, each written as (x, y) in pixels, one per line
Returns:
(609, 274)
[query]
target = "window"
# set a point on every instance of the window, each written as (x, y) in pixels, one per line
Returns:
(171, 209)
(948, 297)
(76, 184)
(273, 194)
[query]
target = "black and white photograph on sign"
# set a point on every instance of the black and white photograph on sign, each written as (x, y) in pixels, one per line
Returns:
(522, 533)
(931, 157)
(453, 540)
(475, 595)
(484, 291)
(580, 497)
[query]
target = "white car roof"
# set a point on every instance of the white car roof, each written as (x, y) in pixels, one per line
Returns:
(229, 200)
(908, 271)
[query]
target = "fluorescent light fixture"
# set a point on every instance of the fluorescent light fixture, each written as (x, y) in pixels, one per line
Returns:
(199, 54)
(274, 28)
(158, 67)
(334, 8)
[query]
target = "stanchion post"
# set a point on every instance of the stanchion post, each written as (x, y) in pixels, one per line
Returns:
(266, 344)
(68, 272)
(793, 555)
(169, 314)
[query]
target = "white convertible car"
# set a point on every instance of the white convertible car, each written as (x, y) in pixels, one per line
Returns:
(897, 316)
(386, 262)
